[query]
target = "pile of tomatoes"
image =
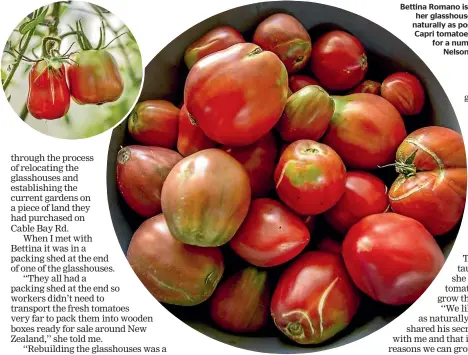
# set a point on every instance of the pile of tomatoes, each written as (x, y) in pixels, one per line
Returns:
(89, 76)
(258, 154)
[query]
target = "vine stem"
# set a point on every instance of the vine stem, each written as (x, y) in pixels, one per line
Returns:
(131, 72)
(18, 59)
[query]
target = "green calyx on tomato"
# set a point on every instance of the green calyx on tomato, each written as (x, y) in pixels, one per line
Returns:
(406, 167)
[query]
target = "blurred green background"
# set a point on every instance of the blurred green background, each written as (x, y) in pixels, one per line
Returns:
(81, 121)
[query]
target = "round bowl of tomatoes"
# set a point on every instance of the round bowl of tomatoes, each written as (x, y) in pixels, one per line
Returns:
(294, 179)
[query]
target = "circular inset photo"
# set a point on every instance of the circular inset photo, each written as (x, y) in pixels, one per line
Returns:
(293, 182)
(71, 70)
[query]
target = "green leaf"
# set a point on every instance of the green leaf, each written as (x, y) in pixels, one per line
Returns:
(9, 97)
(411, 158)
(4, 75)
(30, 25)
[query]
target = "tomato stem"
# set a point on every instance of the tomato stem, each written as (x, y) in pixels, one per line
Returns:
(50, 45)
(406, 167)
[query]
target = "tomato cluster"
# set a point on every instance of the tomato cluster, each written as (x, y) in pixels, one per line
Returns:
(88, 76)
(260, 155)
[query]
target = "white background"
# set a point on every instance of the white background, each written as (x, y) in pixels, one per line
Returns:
(154, 24)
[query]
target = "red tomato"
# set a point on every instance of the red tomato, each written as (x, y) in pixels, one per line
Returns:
(367, 87)
(297, 82)
(270, 235)
(205, 198)
(191, 138)
(238, 94)
(240, 303)
(48, 96)
(155, 122)
(391, 258)
(405, 92)
(94, 77)
(338, 60)
(431, 187)
(259, 160)
(217, 39)
(314, 299)
(285, 36)
(310, 177)
(365, 130)
(141, 172)
(306, 115)
(174, 273)
(365, 194)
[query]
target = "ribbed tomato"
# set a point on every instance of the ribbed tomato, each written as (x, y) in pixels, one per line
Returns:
(431, 187)
(48, 96)
(94, 77)
(306, 115)
(405, 92)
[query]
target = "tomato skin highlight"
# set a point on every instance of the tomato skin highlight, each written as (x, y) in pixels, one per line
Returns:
(141, 172)
(298, 81)
(238, 94)
(365, 194)
(306, 115)
(270, 235)
(314, 299)
(435, 194)
(240, 303)
(396, 270)
(405, 92)
(365, 131)
(173, 272)
(338, 61)
(155, 122)
(367, 87)
(48, 96)
(285, 36)
(310, 177)
(259, 160)
(94, 78)
(205, 198)
(191, 138)
(217, 39)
